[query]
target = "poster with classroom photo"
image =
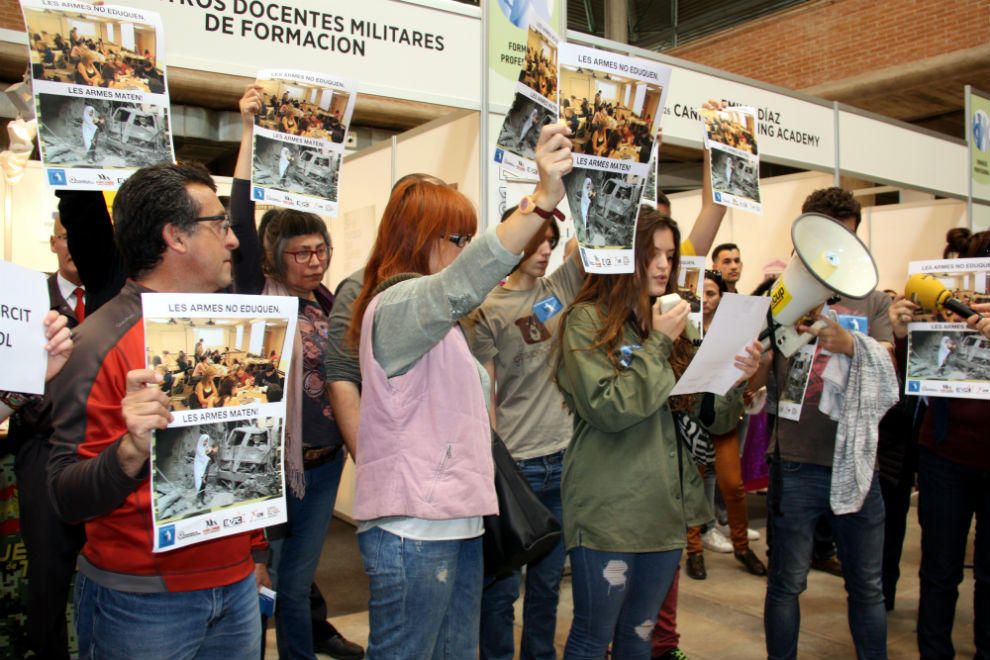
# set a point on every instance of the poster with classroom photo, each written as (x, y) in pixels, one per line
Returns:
(612, 104)
(100, 90)
(299, 138)
(945, 357)
(224, 359)
(534, 105)
(730, 135)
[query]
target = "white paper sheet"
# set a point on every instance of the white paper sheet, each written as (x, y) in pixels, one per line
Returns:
(23, 305)
(738, 320)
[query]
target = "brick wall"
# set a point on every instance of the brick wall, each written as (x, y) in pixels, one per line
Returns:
(828, 40)
(10, 15)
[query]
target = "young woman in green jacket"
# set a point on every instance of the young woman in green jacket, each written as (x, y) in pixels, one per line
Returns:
(630, 488)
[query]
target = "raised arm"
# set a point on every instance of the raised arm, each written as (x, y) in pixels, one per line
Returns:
(248, 275)
(89, 233)
(426, 307)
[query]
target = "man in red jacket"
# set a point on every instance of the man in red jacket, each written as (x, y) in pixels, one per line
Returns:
(197, 601)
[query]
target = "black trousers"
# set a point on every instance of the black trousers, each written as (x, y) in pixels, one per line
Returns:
(52, 549)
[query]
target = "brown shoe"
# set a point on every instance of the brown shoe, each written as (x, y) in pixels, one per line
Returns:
(831, 566)
(751, 562)
(696, 567)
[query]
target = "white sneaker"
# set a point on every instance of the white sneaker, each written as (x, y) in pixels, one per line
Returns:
(751, 534)
(714, 541)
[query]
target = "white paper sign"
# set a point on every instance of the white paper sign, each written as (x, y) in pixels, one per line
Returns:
(738, 321)
(217, 469)
(23, 305)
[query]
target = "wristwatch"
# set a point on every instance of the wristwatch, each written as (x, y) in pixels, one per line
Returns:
(528, 205)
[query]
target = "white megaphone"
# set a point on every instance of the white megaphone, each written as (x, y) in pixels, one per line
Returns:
(828, 259)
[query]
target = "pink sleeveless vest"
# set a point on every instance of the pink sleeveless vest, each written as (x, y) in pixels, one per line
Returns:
(424, 442)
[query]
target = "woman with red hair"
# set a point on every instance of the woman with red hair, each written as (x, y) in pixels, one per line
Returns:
(424, 466)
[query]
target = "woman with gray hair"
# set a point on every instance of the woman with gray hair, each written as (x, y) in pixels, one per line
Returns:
(291, 259)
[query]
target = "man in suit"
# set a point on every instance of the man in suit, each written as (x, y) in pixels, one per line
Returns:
(52, 546)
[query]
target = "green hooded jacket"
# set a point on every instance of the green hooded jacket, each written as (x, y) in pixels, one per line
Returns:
(629, 485)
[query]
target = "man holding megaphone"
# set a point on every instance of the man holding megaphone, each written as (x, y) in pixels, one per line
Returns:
(823, 465)
(953, 476)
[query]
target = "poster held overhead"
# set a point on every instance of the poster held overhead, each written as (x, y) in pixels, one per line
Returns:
(23, 305)
(730, 135)
(612, 104)
(101, 96)
(299, 138)
(217, 469)
(534, 105)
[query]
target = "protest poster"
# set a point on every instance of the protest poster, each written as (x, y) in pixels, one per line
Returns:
(651, 187)
(730, 135)
(945, 358)
(217, 469)
(612, 104)
(101, 98)
(23, 305)
(299, 138)
(534, 105)
(690, 287)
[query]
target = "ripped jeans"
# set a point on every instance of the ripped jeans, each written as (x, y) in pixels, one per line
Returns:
(616, 599)
(425, 596)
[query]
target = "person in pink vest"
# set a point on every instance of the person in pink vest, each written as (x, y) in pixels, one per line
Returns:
(424, 466)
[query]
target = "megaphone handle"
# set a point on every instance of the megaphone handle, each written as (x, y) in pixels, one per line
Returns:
(960, 308)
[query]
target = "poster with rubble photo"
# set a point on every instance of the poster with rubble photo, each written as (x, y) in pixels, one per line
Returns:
(299, 138)
(651, 187)
(730, 135)
(945, 357)
(612, 104)
(534, 105)
(224, 359)
(691, 286)
(101, 98)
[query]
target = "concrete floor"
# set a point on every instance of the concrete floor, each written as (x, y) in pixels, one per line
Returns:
(719, 618)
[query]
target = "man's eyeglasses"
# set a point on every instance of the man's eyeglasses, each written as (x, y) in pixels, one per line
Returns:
(304, 256)
(221, 218)
(460, 240)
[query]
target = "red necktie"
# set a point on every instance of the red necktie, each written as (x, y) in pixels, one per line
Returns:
(80, 304)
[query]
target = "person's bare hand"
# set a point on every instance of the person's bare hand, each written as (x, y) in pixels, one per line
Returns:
(832, 337)
(553, 160)
(144, 409)
(250, 103)
(900, 313)
(672, 322)
(261, 576)
(981, 325)
(59, 344)
(749, 361)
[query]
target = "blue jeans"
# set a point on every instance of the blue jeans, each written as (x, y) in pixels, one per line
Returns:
(425, 596)
(542, 582)
(859, 539)
(296, 555)
(220, 623)
(617, 596)
(949, 495)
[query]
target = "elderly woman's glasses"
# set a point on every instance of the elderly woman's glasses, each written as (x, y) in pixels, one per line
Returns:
(322, 254)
